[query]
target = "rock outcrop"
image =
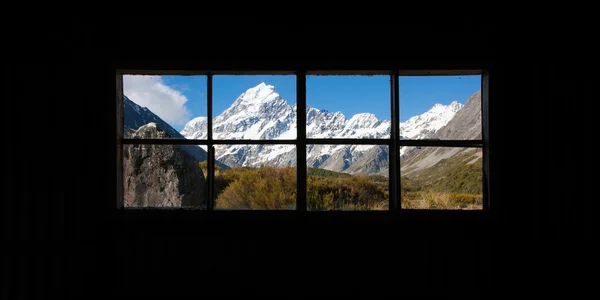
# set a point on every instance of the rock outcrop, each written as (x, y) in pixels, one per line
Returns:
(161, 175)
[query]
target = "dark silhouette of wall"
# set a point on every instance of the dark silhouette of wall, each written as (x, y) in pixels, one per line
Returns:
(63, 236)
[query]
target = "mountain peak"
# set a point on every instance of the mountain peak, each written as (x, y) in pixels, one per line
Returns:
(259, 94)
(263, 85)
(364, 117)
(198, 120)
(437, 107)
(440, 108)
(455, 105)
(363, 120)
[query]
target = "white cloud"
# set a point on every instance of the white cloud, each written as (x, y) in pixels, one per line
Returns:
(150, 91)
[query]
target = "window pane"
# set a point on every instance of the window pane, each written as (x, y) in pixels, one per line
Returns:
(442, 178)
(175, 104)
(348, 106)
(255, 177)
(163, 176)
(440, 107)
(347, 177)
(254, 107)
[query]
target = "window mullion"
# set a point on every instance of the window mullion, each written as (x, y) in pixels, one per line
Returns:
(394, 151)
(301, 140)
(210, 201)
(485, 133)
(120, 122)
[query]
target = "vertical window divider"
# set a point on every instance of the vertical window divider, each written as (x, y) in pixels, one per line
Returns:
(210, 201)
(485, 137)
(301, 169)
(120, 122)
(394, 151)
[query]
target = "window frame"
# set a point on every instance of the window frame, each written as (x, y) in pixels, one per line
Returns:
(393, 142)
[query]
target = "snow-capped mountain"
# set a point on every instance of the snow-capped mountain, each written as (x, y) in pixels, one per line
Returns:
(261, 114)
(425, 125)
(465, 125)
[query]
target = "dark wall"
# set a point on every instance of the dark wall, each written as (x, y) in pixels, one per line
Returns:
(64, 237)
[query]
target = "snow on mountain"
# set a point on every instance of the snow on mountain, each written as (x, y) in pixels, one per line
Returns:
(465, 125)
(425, 125)
(261, 114)
(195, 128)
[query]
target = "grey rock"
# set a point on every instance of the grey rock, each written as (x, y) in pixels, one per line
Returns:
(374, 161)
(136, 116)
(161, 175)
(466, 124)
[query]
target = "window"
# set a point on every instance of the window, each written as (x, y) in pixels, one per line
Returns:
(370, 141)
(348, 142)
(441, 156)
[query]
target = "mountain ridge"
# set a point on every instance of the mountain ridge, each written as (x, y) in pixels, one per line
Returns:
(465, 125)
(260, 113)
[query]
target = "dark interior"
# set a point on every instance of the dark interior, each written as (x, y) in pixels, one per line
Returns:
(62, 234)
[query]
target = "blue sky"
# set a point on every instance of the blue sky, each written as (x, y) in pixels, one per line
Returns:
(419, 93)
(348, 94)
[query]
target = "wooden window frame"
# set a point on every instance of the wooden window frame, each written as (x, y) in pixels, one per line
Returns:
(394, 142)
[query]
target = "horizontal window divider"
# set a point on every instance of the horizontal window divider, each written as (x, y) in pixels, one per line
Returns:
(441, 143)
(423, 143)
(164, 142)
(257, 142)
(254, 142)
(349, 141)
(348, 72)
(161, 72)
(254, 72)
(207, 142)
(424, 72)
(406, 214)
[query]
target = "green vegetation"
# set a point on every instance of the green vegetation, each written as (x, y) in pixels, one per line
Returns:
(260, 188)
(323, 173)
(275, 188)
(453, 183)
(346, 193)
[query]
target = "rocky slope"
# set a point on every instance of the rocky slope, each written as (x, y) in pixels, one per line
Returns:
(161, 175)
(466, 125)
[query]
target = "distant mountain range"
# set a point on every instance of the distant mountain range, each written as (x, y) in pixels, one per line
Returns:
(261, 114)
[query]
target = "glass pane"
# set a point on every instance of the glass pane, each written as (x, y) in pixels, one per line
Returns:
(347, 177)
(356, 107)
(255, 177)
(254, 107)
(440, 107)
(168, 176)
(442, 178)
(174, 104)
